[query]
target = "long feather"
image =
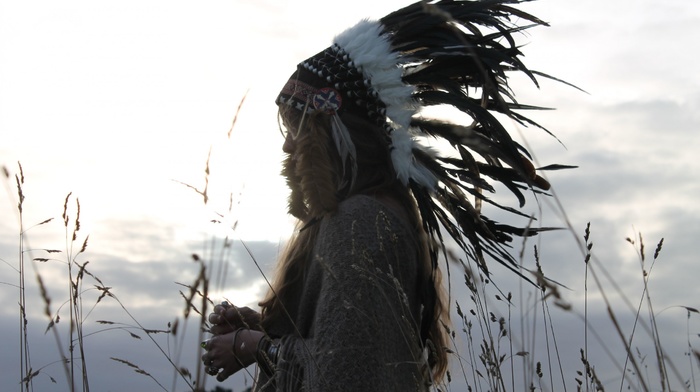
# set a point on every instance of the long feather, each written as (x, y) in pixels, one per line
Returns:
(346, 150)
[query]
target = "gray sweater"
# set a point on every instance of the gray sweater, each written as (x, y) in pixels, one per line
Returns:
(357, 316)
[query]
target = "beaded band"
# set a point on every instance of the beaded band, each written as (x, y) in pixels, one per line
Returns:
(267, 354)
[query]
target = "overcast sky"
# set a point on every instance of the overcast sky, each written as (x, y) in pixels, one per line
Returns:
(121, 103)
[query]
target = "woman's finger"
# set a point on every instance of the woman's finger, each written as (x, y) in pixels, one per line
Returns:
(214, 318)
(227, 371)
(218, 309)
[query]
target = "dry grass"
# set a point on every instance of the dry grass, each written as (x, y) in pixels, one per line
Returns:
(491, 348)
(487, 355)
(501, 341)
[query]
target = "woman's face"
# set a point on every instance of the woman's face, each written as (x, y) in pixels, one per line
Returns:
(289, 133)
(289, 146)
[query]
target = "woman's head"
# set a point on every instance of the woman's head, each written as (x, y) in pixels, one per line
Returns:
(318, 175)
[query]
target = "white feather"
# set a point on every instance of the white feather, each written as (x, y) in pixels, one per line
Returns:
(370, 50)
(345, 147)
(405, 164)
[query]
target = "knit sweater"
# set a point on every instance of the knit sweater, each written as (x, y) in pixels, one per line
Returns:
(357, 316)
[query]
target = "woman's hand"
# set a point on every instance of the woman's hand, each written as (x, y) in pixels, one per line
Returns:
(228, 318)
(228, 353)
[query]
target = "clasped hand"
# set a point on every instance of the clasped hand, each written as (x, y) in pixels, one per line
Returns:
(234, 344)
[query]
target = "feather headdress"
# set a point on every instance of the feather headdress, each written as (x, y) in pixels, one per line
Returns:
(448, 52)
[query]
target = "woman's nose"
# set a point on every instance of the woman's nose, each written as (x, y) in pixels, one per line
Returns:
(288, 145)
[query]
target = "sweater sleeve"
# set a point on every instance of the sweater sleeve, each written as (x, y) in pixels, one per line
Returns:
(364, 335)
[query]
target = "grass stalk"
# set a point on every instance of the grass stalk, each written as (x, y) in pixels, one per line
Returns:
(25, 361)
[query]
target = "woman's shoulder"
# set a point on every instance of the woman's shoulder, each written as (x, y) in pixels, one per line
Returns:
(363, 216)
(364, 225)
(359, 202)
(361, 206)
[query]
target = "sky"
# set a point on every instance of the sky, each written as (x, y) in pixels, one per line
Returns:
(122, 104)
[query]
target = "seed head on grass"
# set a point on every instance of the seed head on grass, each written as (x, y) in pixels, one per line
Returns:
(77, 224)
(138, 370)
(65, 216)
(20, 195)
(658, 249)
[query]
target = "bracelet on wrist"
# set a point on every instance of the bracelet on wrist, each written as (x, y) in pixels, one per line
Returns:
(234, 348)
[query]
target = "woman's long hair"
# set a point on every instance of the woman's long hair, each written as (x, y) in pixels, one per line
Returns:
(313, 176)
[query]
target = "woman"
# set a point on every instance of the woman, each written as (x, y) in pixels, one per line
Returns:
(357, 302)
(348, 300)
